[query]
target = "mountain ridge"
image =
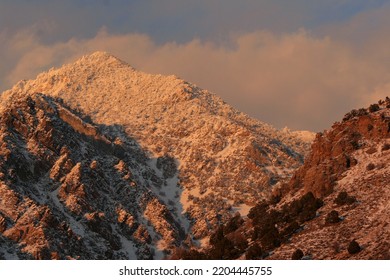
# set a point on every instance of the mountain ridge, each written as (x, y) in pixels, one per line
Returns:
(172, 118)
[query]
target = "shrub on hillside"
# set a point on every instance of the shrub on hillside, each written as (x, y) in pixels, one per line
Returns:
(290, 229)
(275, 199)
(254, 252)
(343, 198)
(354, 247)
(297, 255)
(270, 238)
(266, 222)
(239, 241)
(305, 208)
(371, 150)
(192, 254)
(370, 166)
(221, 247)
(355, 113)
(268, 235)
(258, 212)
(233, 224)
(386, 147)
(373, 108)
(332, 217)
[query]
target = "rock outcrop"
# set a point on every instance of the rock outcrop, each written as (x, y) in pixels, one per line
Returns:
(73, 190)
(333, 151)
(336, 206)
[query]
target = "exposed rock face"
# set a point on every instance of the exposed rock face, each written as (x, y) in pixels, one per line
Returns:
(69, 190)
(349, 169)
(211, 158)
(336, 206)
(333, 151)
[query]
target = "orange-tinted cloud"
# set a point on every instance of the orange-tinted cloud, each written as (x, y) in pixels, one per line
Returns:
(296, 79)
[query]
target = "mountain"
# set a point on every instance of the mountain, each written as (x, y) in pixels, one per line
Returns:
(203, 160)
(101, 161)
(336, 206)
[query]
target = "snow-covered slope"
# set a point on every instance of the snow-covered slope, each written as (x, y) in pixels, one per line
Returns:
(225, 160)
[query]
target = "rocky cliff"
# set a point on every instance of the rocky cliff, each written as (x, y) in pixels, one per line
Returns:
(349, 170)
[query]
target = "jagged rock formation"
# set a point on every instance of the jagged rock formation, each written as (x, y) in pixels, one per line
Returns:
(336, 206)
(333, 151)
(349, 169)
(223, 160)
(71, 189)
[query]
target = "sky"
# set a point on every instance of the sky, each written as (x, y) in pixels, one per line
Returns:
(297, 63)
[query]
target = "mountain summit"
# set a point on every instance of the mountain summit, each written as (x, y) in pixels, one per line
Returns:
(206, 160)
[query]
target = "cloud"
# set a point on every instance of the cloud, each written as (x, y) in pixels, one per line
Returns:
(177, 20)
(295, 79)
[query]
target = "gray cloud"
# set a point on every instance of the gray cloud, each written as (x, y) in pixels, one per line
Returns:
(175, 20)
(296, 79)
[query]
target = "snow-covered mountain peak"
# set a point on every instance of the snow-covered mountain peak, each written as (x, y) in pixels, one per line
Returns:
(304, 135)
(223, 160)
(100, 58)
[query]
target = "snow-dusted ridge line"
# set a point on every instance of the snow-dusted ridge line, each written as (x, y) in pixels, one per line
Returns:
(226, 161)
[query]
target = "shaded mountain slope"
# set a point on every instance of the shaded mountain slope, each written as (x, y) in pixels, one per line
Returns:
(71, 189)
